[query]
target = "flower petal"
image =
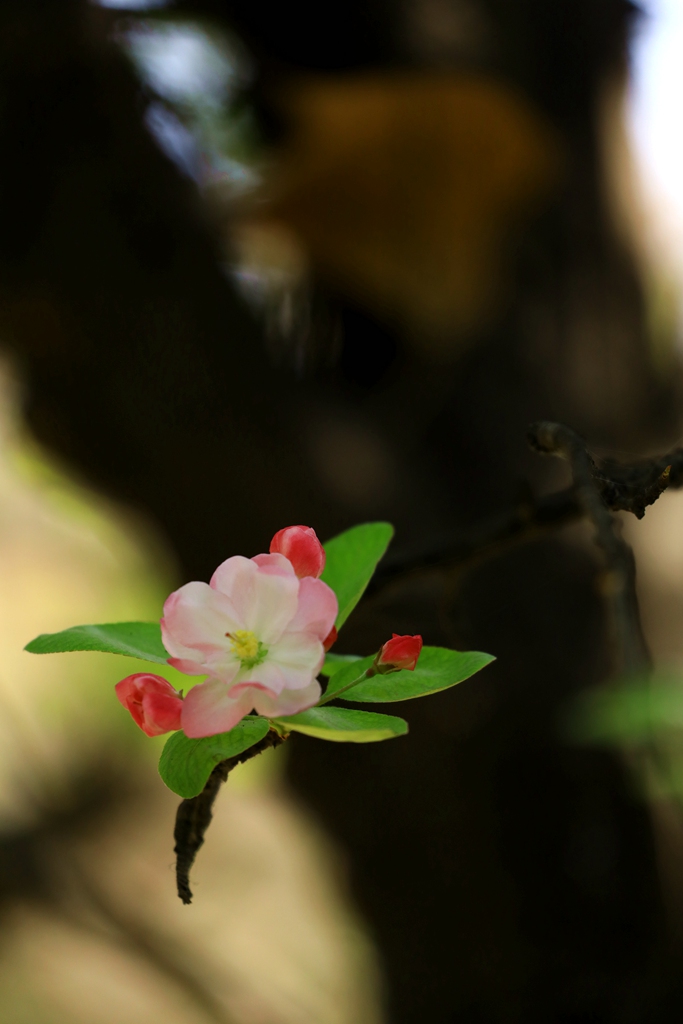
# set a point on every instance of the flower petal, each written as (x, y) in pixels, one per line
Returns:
(234, 579)
(188, 667)
(263, 597)
(240, 688)
(209, 708)
(276, 564)
(297, 656)
(195, 621)
(317, 609)
(289, 702)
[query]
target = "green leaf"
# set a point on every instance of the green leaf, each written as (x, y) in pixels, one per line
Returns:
(351, 559)
(342, 725)
(334, 662)
(437, 669)
(185, 764)
(633, 710)
(133, 639)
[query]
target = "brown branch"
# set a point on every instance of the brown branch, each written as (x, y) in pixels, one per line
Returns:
(634, 490)
(194, 816)
(527, 519)
(629, 487)
(625, 487)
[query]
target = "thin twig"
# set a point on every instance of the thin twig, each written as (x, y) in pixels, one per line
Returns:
(628, 487)
(194, 816)
(527, 519)
(619, 580)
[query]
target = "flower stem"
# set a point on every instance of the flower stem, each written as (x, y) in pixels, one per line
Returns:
(194, 815)
(327, 697)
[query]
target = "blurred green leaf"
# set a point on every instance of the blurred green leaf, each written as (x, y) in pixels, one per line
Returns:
(438, 668)
(335, 662)
(633, 711)
(342, 725)
(134, 639)
(185, 764)
(351, 559)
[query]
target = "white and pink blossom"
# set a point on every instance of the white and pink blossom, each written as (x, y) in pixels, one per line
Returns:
(257, 630)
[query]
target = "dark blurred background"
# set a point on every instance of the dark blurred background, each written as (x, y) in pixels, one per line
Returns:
(299, 263)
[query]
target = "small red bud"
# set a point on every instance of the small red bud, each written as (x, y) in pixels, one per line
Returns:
(399, 652)
(330, 639)
(152, 701)
(301, 546)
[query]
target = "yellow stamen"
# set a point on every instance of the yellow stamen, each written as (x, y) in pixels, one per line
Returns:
(244, 644)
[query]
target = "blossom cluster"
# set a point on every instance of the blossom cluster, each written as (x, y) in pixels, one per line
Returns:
(259, 631)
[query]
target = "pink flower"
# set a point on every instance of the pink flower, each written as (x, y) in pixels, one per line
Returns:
(399, 652)
(152, 701)
(257, 631)
(301, 546)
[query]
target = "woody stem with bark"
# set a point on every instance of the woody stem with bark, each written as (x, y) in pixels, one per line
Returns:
(194, 815)
(619, 577)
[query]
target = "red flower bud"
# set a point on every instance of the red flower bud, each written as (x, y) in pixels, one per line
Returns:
(152, 701)
(399, 652)
(330, 639)
(301, 546)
